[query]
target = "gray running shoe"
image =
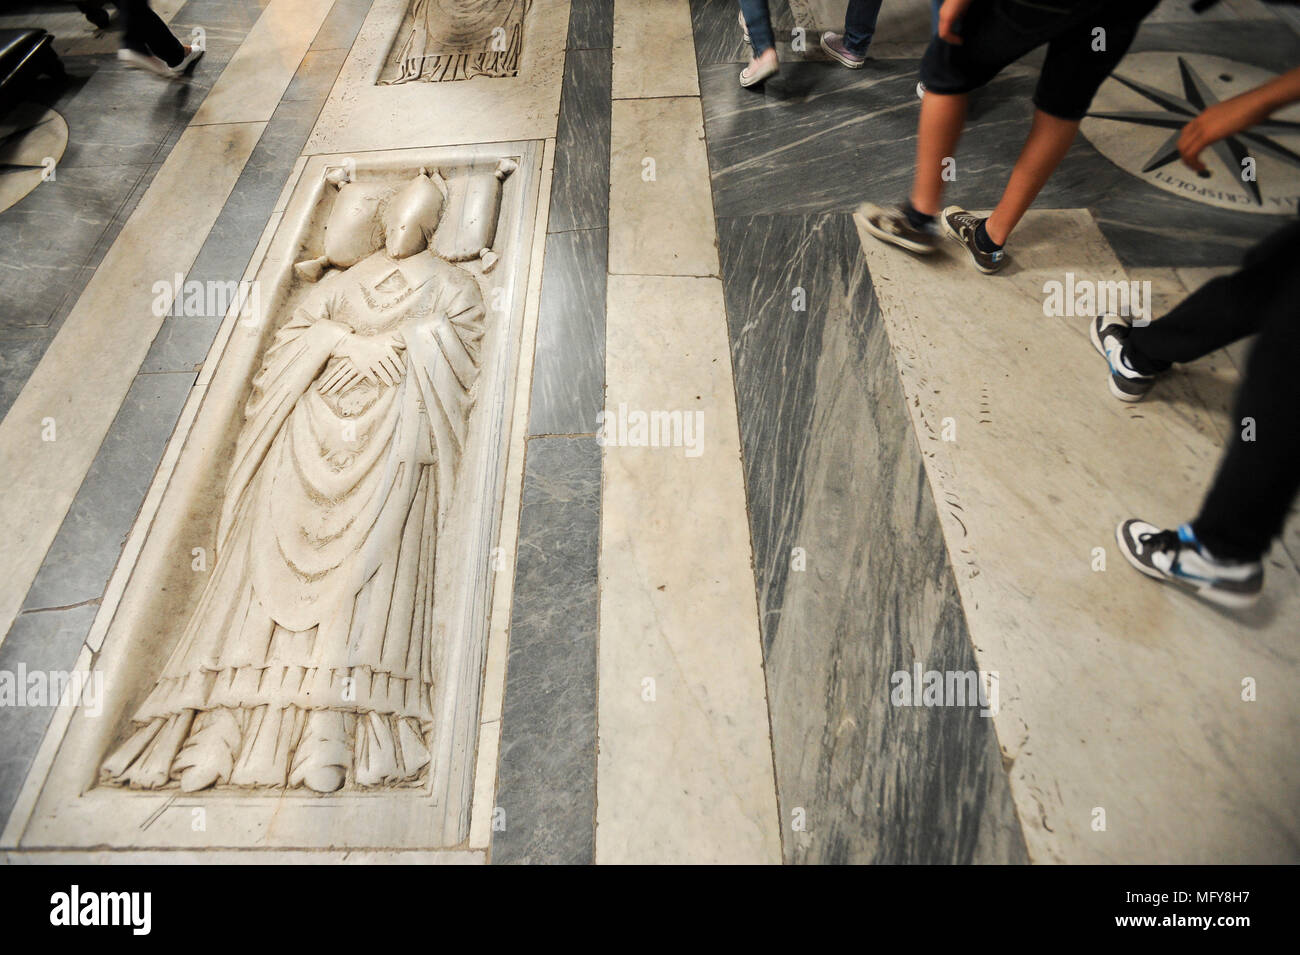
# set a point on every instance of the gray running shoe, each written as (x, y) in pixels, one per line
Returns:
(1176, 557)
(960, 226)
(891, 225)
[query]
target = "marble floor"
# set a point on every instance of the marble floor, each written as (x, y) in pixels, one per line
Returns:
(737, 477)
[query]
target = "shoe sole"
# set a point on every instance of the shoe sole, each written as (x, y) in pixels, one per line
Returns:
(1233, 601)
(1110, 375)
(840, 58)
(952, 234)
(892, 239)
(746, 84)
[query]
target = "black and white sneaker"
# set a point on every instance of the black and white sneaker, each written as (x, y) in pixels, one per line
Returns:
(1109, 333)
(960, 226)
(891, 225)
(1176, 557)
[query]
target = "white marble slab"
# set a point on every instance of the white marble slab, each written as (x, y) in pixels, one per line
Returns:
(660, 200)
(654, 49)
(1117, 693)
(361, 115)
(685, 766)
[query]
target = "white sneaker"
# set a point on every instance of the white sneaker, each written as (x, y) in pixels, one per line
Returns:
(143, 61)
(1176, 557)
(920, 90)
(184, 66)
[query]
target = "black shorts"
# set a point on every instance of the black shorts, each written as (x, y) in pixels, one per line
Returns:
(996, 33)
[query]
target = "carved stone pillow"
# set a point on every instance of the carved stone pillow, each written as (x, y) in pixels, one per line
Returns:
(353, 230)
(469, 222)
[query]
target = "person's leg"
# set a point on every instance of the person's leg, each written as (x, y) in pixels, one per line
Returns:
(1048, 141)
(759, 22)
(943, 116)
(934, 16)
(1259, 474)
(144, 32)
(1222, 311)
(860, 25)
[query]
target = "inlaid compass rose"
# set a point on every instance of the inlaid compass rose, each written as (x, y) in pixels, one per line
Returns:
(1256, 170)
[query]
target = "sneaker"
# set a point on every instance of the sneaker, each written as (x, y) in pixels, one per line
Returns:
(1176, 557)
(920, 90)
(891, 225)
(186, 66)
(144, 61)
(960, 226)
(833, 44)
(1109, 334)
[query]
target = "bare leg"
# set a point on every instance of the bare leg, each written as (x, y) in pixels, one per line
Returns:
(942, 119)
(1048, 141)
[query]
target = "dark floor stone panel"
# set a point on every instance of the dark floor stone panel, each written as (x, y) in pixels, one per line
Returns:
(341, 25)
(832, 468)
(547, 778)
(580, 185)
(591, 25)
(47, 641)
(569, 359)
(718, 37)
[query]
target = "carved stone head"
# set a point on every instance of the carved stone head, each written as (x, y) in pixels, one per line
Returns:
(412, 214)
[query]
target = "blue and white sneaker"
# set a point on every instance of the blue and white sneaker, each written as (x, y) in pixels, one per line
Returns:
(1109, 334)
(1177, 557)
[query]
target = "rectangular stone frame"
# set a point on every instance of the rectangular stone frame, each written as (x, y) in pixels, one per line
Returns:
(72, 810)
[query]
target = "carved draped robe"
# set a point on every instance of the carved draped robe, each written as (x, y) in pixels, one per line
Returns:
(315, 623)
(460, 39)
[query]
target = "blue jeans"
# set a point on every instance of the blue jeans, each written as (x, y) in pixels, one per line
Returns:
(759, 23)
(860, 25)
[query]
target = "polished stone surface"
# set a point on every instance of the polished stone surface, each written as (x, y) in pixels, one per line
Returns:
(547, 785)
(661, 217)
(580, 188)
(653, 51)
(854, 579)
(569, 361)
(1116, 693)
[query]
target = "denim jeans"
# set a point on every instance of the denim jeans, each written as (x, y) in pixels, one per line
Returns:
(759, 23)
(860, 25)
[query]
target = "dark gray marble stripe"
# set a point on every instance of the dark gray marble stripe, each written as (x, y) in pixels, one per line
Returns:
(821, 138)
(591, 25)
(547, 780)
(832, 467)
(45, 641)
(341, 25)
(569, 361)
(580, 187)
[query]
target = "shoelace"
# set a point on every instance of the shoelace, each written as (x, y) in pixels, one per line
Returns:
(1162, 541)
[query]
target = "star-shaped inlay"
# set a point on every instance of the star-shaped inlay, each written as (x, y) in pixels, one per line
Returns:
(1177, 111)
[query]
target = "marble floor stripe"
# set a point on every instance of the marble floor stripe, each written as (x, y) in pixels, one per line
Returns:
(547, 777)
(591, 25)
(89, 367)
(580, 188)
(661, 211)
(654, 54)
(685, 770)
(853, 576)
(1117, 694)
(569, 360)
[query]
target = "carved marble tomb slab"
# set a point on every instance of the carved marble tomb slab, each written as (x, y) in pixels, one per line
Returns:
(444, 40)
(298, 649)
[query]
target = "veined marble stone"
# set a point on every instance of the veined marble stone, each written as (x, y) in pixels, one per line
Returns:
(441, 40)
(303, 632)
